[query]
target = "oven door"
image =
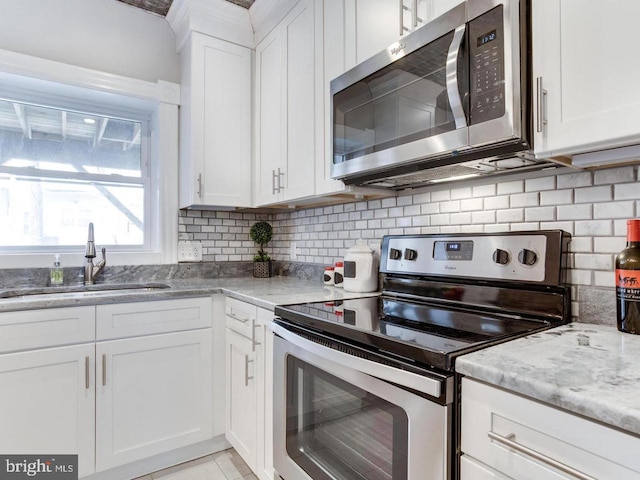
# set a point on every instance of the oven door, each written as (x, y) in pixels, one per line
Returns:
(342, 417)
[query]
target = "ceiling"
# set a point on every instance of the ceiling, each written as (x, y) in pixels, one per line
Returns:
(161, 7)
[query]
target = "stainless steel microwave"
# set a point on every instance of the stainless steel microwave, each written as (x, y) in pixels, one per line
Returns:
(450, 100)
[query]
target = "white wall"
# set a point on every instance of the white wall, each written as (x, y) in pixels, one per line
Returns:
(104, 35)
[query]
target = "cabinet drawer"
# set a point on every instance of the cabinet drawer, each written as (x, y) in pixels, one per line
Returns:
(528, 440)
(471, 469)
(29, 329)
(241, 317)
(148, 318)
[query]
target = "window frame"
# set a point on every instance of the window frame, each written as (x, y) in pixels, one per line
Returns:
(35, 80)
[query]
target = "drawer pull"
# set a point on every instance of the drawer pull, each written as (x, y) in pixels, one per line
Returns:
(253, 335)
(86, 373)
(509, 441)
(104, 370)
(235, 317)
(246, 370)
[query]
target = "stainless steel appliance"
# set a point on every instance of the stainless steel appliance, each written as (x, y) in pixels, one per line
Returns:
(450, 100)
(366, 388)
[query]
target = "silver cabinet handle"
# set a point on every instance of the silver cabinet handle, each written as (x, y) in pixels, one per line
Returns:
(200, 185)
(414, 13)
(253, 335)
(401, 17)
(246, 370)
(508, 441)
(274, 190)
(104, 369)
(453, 90)
(280, 180)
(86, 373)
(236, 317)
(542, 100)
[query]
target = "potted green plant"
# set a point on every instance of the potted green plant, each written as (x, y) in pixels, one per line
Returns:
(261, 233)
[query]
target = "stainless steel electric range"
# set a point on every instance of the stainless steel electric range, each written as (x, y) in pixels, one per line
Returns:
(366, 388)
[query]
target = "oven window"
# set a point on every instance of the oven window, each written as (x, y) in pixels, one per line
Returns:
(336, 430)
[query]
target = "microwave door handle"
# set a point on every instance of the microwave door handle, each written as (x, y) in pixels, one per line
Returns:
(453, 90)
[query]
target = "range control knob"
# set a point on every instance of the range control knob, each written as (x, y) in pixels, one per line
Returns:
(527, 257)
(410, 254)
(395, 254)
(501, 257)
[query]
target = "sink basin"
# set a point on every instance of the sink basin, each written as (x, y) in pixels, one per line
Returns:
(75, 289)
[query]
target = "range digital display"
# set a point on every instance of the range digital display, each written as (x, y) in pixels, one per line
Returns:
(453, 247)
(487, 37)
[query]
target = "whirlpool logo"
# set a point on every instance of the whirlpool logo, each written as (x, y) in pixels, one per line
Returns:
(49, 467)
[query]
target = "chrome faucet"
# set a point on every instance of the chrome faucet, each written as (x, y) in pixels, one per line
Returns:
(91, 271)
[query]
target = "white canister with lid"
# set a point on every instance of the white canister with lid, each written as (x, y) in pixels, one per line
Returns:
(360, 269)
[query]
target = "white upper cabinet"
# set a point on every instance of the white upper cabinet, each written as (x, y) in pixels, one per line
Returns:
(215, 123)
(289, 107)
(585, 71)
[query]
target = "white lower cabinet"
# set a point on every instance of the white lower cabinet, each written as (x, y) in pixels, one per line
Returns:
(47, 403)
(248, 385)
(508, 436)
(115, 402)
(154, 395)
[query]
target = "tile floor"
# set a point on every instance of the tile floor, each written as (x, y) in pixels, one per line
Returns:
(225, 465)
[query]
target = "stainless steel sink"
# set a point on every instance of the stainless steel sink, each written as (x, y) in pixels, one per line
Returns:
(81, 289)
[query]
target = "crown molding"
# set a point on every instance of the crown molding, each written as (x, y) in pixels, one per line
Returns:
(266, 14)
(215, 18)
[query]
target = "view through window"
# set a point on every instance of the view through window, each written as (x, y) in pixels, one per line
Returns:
(60, 170)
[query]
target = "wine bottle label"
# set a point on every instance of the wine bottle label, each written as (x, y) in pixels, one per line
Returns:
(628, 285)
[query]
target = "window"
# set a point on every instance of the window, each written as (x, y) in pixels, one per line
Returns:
(61, 169)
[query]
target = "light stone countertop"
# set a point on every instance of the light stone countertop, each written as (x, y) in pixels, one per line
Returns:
(591, 370)
(263, 292)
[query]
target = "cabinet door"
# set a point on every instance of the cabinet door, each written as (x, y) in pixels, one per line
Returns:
(264, 382)
(154, 395)
(240, 387)
(215, 123)
(378, 23)
(269, 118)
(47, 404)
(586, 60)
(303, 104)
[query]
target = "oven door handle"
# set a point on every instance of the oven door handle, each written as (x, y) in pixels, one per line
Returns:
(428, 385)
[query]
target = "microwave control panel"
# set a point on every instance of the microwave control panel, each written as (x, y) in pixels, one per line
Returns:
(486, 54)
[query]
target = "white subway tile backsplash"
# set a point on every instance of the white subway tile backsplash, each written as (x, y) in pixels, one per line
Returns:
(525, 200)
(506, 188)
(627, 191)
(593, 194)
(450, 206)
(496, 203)
(510, 216)
(574, 180)
(556, 197)
(614, 175)
(472, 204)
(592, 206)
(574, 212)
(540, 214)
(440, 196)
(460, 193)
(484, 190)
(538, 184)
(614, 210)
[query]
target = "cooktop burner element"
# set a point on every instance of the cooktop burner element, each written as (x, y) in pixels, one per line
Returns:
(447, 295)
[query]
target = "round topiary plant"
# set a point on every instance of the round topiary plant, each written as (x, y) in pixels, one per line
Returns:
(261, 233)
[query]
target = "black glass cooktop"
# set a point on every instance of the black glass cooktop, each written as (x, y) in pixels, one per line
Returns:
(428, 334)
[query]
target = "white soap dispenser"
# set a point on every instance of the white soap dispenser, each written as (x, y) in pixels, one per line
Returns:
(56, 272)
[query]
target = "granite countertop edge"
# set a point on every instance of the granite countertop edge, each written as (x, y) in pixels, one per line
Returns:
(586, 369)
(264, 293)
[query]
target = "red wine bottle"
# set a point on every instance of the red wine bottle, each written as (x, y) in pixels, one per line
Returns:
(628, 281)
